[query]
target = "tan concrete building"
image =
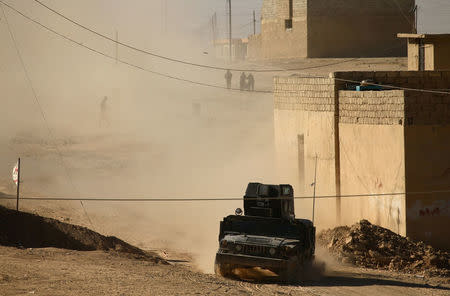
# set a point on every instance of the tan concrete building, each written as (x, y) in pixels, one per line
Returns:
(428, 51)
(331, 28)
(238, 49)
(392, 144)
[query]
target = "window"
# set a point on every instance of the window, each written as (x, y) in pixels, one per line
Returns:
(288, 24)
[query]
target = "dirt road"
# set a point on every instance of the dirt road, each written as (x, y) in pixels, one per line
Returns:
(65, 272)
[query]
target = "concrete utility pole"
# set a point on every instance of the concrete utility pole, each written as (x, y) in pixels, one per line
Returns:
(254, 23)
(164, 17)
(117, 46)
(214, 27)
(229, 30)
(416, 15)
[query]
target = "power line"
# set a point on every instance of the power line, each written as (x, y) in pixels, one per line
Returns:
(122, 61)
(96, 199)
(403, 13)
(22, 62)
(139, 49)
(225, 68)
(169, 58)
(217, 86)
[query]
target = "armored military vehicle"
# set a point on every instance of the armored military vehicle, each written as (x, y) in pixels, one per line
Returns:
(266, 235)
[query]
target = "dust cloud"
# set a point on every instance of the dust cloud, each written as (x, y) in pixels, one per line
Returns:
(157, 138)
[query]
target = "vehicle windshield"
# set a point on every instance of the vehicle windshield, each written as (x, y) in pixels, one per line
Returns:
(265, 228)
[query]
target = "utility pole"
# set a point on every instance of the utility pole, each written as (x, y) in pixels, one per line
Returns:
(314, 194)
(214, 27)
(416, 16)
(254, 23)
(117, 46)
(163, 17)
(229, 30)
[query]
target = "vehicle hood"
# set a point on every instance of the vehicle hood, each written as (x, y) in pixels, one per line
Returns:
(259, 240)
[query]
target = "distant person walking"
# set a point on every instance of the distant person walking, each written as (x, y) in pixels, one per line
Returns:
(104, 112)
(251, 82)
(243, 82)
(228, 77)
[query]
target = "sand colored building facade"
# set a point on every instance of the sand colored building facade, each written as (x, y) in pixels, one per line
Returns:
(429, 52)
(238, 49)
(331, 28)
(391, 144)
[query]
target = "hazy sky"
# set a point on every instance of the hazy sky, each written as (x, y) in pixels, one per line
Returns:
(434, 16)
(140, 20)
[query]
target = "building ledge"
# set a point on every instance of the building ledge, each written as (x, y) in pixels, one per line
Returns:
(423, 36)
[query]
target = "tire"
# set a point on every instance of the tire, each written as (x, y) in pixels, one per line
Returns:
(291, 274)
(223, 269)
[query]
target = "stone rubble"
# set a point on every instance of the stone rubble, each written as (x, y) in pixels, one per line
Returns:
(372, 246)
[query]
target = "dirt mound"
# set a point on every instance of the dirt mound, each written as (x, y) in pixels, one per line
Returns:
(20, 229)
(367, 245)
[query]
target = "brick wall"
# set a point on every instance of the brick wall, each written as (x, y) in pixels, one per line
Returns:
(372, 107)
(308, 94)
(275, 10)
(396, 106)
(276, 42)
(334, 28)
(427, 109)
(409, 79)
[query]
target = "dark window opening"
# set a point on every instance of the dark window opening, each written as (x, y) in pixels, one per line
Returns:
(288, 24)
(421, 56)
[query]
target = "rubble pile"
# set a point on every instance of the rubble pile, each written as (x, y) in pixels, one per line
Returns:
(25, 230)
(368, 245)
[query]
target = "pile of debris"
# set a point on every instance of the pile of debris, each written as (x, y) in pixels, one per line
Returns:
(26, 230)
(367, 245)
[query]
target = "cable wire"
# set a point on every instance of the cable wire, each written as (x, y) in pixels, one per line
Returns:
(170, 199)
(36, 99)
(178, 60)
(125, 62)
(212, 85)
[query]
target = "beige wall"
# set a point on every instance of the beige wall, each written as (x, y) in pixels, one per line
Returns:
(302, 111)
(277, 42)
(428, 169)
(372, 157)
(357, 28)
(413, 55)
(436, 50)
(442, 55)
(389, 141)
(332, 28)
(427, 154)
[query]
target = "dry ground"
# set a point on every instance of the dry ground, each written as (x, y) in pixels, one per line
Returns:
(155, 147)
(65, 272)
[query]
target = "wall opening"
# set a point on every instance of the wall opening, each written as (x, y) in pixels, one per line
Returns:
(301, 163)
(421, 56)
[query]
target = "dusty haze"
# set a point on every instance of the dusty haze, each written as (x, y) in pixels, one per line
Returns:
(164, 138)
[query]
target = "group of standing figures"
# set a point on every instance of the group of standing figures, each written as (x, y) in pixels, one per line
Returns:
(245, 82)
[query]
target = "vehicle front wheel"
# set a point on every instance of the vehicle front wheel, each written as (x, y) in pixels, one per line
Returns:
(223, 269)
(290, 274)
